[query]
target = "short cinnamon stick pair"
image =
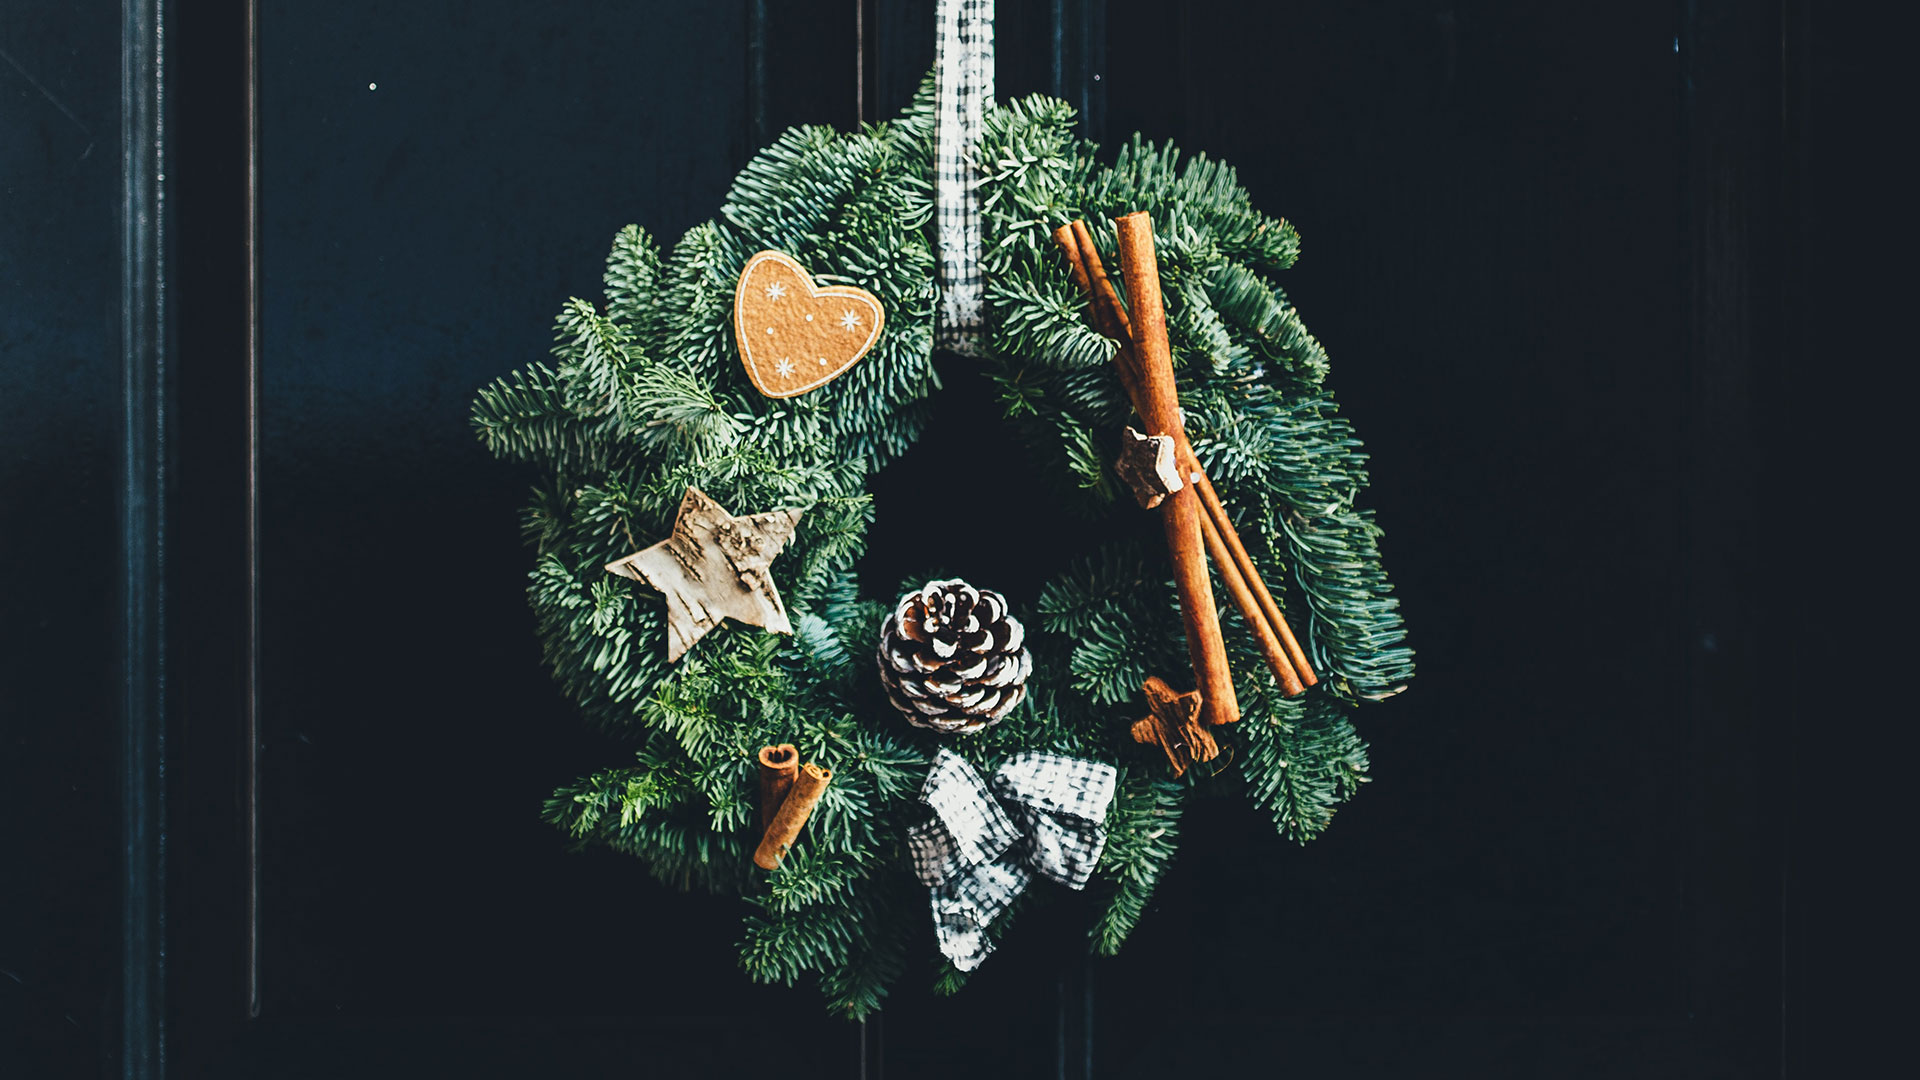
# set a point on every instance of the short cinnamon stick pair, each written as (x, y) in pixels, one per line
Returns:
(1146, 372)
(788, 793)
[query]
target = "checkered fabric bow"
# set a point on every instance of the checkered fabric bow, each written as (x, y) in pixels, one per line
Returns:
(977, 856)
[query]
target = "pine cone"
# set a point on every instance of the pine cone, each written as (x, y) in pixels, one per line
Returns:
(951, 658)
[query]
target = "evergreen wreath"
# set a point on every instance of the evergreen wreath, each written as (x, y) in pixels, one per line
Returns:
(646, 397)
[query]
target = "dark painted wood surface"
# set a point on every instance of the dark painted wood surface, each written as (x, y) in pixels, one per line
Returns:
(60, 187)
(1537, 247)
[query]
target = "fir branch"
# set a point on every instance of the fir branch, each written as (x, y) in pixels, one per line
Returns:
(525, 416)
(1143, 830)
(632, 277)
(671, 410)
(1271, 324)
(1356, 629)
(1301, 764)
(594, 361)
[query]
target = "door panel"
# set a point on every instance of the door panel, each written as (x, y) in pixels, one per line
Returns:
(1508, 252)
(59, 611)
(1518, 371)
(436, 180)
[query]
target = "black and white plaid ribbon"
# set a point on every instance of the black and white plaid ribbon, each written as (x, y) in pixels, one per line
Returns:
(977, 856)
(963, 92)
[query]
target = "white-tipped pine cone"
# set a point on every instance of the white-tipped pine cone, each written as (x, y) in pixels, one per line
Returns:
(953, 658)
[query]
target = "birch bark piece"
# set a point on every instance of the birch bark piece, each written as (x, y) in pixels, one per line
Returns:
(713, 567)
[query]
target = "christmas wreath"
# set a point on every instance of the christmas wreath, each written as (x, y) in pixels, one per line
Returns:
(842, 759)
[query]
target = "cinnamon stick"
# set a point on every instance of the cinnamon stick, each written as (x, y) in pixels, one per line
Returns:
(1211, 500)
(1069, 245)
(1243, 598)
(1109, 314)
(793, 813)
(1290, 665)
(1181, 511)
(778, 766)
(1111, 319)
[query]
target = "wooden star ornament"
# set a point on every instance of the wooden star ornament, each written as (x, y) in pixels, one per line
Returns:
(1174, 725)
(714, 566)
(1147, 465)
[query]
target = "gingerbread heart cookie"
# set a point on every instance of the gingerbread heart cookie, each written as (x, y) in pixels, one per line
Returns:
(796, 336)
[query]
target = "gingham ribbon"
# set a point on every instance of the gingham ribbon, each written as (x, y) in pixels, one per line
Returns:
(977, 856)
(963, 92)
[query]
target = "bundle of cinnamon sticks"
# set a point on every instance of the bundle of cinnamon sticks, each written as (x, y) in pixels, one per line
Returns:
(1193, 515)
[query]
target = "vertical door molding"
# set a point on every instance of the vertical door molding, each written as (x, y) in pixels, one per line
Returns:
(143, 511)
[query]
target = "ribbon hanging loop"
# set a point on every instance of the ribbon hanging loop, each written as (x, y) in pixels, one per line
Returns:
(963, 92)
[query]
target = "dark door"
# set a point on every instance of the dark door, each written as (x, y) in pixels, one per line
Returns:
(1530, 250)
